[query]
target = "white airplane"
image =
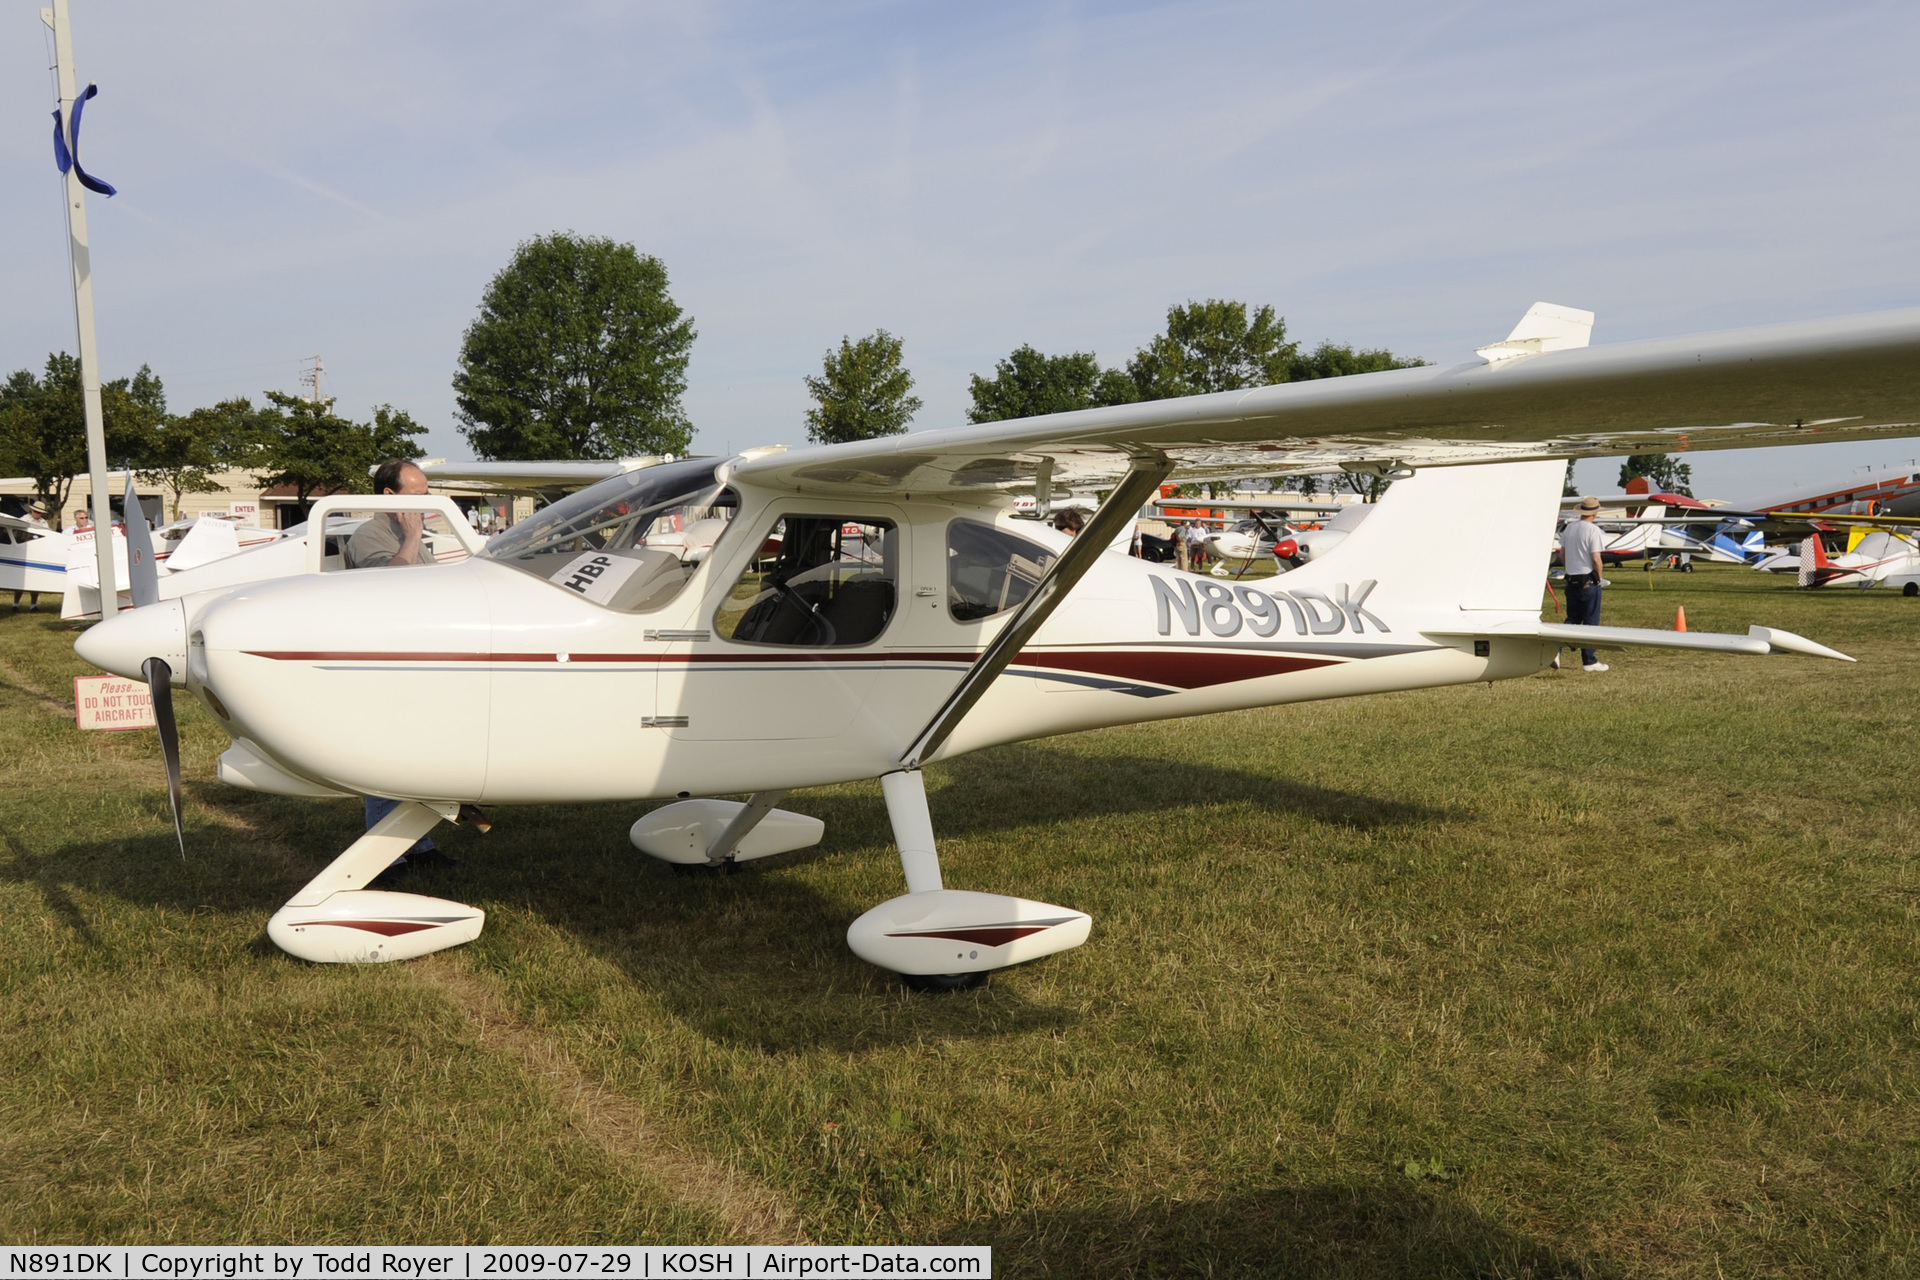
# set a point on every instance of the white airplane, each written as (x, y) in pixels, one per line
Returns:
(1882, 555)
(571, 659)
(196, 545)
(177, 547)
(33, 558)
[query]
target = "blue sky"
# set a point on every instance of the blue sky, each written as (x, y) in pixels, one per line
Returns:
(343, 179)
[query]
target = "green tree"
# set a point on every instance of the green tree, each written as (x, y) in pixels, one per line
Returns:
(1027, 384)
(1336, 360)
(578, 353)
(863, 391)
(43, 426)
(1663, 471)
(306, 446)
(1213, 346)
(187, 449)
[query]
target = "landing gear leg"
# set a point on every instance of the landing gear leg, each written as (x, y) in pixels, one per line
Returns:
(906, 794)
(336, 919)
(941, 939)
(759, 805)
(720, 860)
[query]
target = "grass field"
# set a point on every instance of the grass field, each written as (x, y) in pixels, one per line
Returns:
(1573, 975)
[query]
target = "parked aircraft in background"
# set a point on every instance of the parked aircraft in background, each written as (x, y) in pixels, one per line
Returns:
(203, 546)
(32, 557)
(1300, 531)
(1892, 489)
(280, 555)
(575, 658)
(1881, 555)
(177, 547)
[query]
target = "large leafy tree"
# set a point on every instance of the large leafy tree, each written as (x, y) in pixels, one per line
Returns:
(1663, 471)
(43, 426)
(1213, 346)
(1219, 345)
(305, 445)
(578, 353)
(1027, 384)
(863, 391)
(187, 449)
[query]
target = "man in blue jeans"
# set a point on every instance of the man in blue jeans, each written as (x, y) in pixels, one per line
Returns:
(1580, 544)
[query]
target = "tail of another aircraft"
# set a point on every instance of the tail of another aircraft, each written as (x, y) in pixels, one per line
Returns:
(1813, 560)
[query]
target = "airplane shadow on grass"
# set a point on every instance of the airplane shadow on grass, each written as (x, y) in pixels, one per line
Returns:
(757, 958)
(1360, 1229)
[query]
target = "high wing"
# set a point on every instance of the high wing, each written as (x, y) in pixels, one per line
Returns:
(547, 480)
(1823, 381)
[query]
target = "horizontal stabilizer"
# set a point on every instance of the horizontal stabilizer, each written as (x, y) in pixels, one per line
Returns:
(1758, 640)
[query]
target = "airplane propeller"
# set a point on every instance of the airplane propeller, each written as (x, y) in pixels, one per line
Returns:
(160, 684)
(143, 576)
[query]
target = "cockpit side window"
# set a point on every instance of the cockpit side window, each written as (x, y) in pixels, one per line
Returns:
(628, 543)
(989, 570)
(817, 581)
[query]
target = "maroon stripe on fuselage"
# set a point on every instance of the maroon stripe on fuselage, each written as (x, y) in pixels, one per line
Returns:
(1178, 668)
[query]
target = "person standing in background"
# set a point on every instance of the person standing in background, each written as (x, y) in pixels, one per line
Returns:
(1580, 545)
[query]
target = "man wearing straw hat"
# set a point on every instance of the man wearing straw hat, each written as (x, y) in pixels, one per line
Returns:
(1580, 544)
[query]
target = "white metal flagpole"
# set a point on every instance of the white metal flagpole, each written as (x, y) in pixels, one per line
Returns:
(83, 318)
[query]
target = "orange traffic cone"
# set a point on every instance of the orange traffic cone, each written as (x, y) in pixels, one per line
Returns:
(1680, 618)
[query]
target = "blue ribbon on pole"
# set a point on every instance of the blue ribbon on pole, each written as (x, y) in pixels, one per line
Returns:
(66, 151)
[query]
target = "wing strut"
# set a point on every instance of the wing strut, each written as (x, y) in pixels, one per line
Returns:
(1122, 505)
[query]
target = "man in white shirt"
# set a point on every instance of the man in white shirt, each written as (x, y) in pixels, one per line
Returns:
(1580, 544)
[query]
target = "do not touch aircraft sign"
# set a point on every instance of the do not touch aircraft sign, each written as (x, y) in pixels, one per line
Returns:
(110, 702)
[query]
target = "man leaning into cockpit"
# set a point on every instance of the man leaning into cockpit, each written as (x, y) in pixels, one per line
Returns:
(392, 537)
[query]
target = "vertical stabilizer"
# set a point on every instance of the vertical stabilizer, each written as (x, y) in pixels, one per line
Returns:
(1447, 539)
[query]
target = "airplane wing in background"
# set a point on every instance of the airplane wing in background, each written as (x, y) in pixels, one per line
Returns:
(1822, 381)
(546, 480)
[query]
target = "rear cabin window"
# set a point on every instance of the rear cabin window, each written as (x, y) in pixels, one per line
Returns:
(816, 581)
(990, 571)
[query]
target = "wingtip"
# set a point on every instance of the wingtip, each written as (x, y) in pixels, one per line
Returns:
(1788, 642)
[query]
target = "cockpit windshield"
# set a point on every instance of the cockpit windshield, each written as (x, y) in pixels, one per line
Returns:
(629, 542)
